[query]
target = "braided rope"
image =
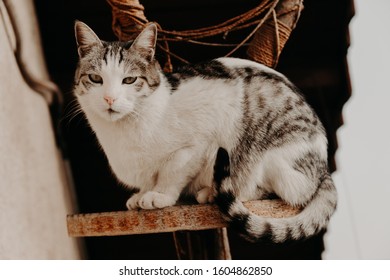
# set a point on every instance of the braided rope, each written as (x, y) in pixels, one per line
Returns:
(129, 19)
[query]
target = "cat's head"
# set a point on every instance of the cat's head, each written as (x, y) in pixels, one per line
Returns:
(113, 79)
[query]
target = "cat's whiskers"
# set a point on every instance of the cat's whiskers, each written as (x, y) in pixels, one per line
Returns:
(134, 116)
(72, 110)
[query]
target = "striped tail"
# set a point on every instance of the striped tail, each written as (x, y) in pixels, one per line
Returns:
(311, 220)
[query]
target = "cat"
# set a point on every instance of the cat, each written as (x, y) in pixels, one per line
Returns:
(228, 130)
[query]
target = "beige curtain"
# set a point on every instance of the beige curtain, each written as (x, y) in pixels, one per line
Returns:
(34, 191)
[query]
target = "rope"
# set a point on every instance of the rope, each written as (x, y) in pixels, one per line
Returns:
(271, 9)
(129, 19)
(268, 51)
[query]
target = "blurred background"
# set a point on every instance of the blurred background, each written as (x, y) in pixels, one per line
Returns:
(360, 229)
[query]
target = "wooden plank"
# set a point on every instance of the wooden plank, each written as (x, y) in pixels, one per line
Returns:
(170, 219)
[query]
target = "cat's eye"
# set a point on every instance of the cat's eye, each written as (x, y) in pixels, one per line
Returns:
(95, 79)
(129, 80)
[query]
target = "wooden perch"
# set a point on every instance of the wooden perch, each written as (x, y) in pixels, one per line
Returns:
(170, 219)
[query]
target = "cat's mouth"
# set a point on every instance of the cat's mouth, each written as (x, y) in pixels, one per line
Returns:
(112, 111)
(112, 114)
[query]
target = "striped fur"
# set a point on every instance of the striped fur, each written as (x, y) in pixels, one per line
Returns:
(228, 130)
(313, 218)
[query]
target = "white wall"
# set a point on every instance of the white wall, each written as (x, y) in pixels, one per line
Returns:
(360, 228)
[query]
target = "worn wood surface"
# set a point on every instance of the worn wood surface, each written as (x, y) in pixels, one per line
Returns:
(170, 219)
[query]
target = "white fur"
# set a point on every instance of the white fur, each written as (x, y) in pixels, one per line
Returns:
(280, 177)
(159, 144)
(239, 62)
(168, 137)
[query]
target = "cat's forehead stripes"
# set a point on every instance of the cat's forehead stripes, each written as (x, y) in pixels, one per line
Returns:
(106, 54)
(114, 51)
(119, 59)
(112, 54)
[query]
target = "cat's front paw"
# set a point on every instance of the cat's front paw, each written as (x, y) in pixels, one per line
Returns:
(153, 200)
(132, 202)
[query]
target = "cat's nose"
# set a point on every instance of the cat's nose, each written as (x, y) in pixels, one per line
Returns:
(110, 100)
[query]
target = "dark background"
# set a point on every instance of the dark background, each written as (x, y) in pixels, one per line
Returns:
(314, 58)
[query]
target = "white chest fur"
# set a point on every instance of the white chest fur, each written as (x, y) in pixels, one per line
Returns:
(132, 164)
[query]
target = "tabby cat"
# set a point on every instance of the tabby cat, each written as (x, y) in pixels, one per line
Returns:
(162, 133)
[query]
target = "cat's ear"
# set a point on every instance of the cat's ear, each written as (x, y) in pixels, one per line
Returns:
(145, 43)
(85, 38)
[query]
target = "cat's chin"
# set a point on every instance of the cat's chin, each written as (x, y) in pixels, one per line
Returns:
(115, 116)
(112, 115)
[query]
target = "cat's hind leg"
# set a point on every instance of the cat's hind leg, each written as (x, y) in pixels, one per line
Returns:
(205, 195)
(293, 180)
